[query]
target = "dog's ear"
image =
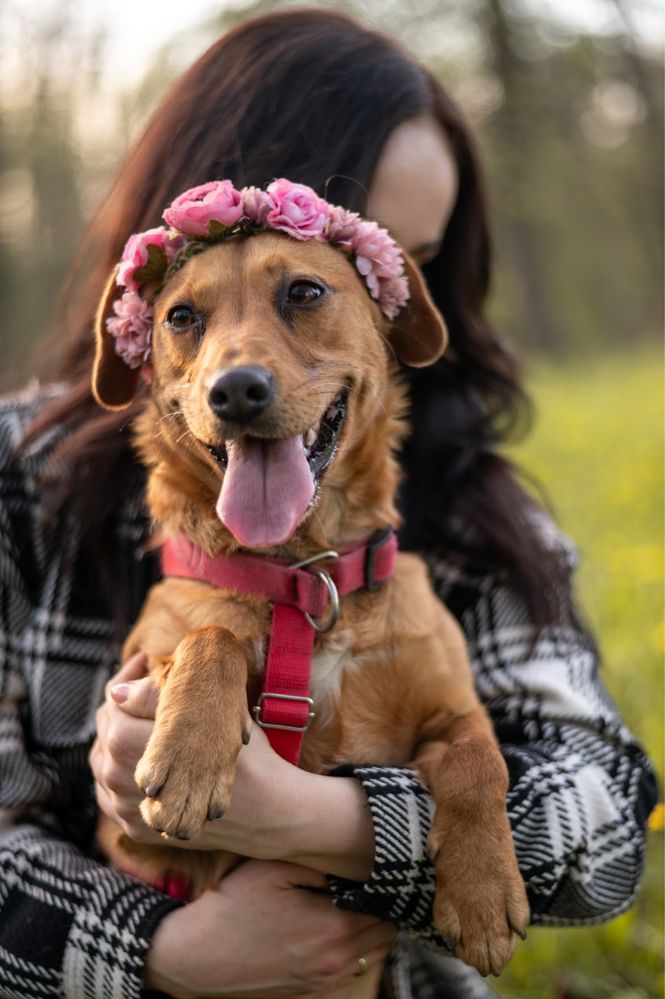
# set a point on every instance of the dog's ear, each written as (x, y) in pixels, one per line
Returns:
(113, 382)
(418, 335)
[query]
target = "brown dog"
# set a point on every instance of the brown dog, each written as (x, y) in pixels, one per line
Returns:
(298, 318)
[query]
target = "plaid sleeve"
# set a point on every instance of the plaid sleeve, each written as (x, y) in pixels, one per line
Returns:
(69, 926)
(581, 788)
(400, 888)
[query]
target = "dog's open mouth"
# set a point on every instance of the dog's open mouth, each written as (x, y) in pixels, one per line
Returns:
(269, 485)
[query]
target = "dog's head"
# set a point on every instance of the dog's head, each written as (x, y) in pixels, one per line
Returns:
(270, 376)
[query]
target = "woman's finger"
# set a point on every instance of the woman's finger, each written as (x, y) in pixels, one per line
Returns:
(137, 697)
(135, 668)
(376, 937)
(105, 801)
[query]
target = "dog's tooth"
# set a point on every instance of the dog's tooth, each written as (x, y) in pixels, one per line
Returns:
(309, 439)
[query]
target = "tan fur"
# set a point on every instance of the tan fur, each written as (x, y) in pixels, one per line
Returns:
(409, 695)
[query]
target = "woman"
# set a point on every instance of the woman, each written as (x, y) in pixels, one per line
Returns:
(312, 96)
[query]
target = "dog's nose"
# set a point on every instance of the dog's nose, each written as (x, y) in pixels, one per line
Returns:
(242, 393)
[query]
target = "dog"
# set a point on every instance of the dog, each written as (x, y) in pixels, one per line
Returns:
(272, 367)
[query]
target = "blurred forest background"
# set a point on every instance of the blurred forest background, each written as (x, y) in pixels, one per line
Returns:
(570, 124)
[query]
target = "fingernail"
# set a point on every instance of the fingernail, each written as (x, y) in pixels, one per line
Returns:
(120, 692)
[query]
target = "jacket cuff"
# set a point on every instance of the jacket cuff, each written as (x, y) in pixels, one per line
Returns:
(109, 937)
(108, 942)
(402, 883)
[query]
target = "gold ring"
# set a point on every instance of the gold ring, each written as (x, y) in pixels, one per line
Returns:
(363, 967)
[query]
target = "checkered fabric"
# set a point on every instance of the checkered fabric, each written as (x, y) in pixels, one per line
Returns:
(580, 792)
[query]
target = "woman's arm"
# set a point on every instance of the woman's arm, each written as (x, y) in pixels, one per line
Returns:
(263, 933)
(94, 924)
(277, 812)
(581, 788)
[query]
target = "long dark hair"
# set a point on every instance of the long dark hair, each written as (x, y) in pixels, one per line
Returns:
(312, 95)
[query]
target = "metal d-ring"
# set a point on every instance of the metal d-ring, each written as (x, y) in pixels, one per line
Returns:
(330, 620)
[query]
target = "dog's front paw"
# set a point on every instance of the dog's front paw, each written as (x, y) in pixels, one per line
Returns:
(187, 780)
(481, 905)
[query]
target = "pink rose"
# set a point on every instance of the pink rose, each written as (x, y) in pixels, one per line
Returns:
(136, 255)
(298, 210)
(217, 201)
(131, 327)
(256, 204)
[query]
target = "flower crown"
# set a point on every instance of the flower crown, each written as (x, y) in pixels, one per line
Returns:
(213, 212)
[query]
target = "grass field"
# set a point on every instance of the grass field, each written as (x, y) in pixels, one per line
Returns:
(597, 448)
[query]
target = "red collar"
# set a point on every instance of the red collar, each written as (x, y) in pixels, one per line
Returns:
(304, 602)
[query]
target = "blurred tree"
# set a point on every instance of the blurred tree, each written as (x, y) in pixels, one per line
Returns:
(570, 124)
(43, 176)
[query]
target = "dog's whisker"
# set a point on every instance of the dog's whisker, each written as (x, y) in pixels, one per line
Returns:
(185, 433)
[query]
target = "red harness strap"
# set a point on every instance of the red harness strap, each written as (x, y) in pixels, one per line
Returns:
(304, 602)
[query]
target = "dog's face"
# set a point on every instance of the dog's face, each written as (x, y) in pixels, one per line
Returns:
(270, 365)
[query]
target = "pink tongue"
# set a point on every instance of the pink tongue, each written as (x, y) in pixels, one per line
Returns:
(267, 487)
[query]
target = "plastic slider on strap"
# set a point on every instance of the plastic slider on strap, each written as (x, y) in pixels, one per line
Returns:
(283, 697)
(374, 546)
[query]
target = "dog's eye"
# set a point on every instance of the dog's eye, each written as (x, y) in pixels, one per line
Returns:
(303, 292)
(182, 318)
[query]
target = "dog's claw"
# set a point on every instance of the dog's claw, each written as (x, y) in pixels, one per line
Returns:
(151, 791)
(246, 736)
(215, 812)
(182, 835)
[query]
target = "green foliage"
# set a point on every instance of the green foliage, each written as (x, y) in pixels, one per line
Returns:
(597, 449)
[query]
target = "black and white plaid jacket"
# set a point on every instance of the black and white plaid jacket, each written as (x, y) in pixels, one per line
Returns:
(580, 792)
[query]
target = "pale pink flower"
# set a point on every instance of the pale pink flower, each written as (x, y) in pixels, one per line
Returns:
(256, 204)
(298, 210)
(131, 328)
(376, 250)
(379, 259)
(136, 254)
(217, 201)
(341, 227)
(393, 295)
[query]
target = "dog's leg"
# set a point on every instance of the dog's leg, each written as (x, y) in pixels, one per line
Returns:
(480, 900)
(202, 721)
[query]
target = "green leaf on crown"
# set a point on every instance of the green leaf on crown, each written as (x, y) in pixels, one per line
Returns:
(217, 230)
(154, 267)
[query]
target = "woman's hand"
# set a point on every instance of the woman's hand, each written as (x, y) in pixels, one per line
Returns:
(262, 935)
(120, 742)
(276, 812)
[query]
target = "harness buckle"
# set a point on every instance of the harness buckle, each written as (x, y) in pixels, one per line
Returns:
(256, 710)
